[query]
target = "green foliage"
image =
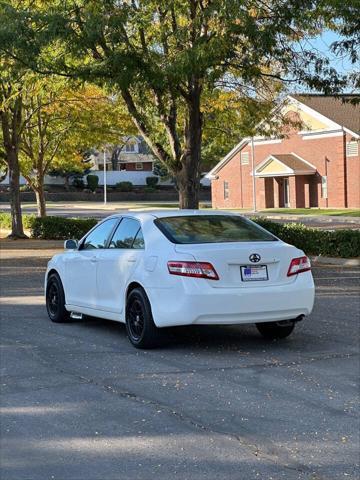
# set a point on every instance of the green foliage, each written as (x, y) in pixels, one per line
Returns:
(5, 220)
(124, 186)
(152, 181)
(59, 228)
(313, 241)
(166, 58)
(148, 189)
(79, 183)
(92, 182)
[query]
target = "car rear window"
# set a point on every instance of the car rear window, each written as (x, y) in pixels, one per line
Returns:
(211, 229)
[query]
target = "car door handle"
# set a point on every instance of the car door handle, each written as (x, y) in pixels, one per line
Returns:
(93, 259)
(131, 259)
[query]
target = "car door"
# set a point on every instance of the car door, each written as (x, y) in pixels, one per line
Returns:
(117, 263)
(81, 266)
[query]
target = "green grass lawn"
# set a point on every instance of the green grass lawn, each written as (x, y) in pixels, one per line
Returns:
(314, 211)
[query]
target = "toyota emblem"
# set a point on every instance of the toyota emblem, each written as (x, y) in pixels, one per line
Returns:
(255, 258)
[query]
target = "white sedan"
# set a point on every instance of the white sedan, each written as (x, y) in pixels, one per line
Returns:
(160, 269)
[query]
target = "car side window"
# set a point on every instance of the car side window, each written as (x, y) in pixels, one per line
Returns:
(139, 240)
(98, 237)
(127, 235)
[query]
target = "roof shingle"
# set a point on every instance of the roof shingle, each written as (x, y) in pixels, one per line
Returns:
(341, 109)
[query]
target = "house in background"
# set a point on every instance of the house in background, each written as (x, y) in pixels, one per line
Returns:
(315, 165)
(131, 155)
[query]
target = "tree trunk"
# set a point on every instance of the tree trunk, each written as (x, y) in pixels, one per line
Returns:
(188, 186)
(188, 179)
(17, 230)
(40, 201)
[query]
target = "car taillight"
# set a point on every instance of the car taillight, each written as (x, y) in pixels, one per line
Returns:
(298, 265)
(193, 269)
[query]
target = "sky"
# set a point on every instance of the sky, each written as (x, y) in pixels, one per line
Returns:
(322, 44)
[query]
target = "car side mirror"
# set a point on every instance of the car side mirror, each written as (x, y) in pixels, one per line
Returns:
(71, 244)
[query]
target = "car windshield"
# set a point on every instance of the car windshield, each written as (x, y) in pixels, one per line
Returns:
(193, 229)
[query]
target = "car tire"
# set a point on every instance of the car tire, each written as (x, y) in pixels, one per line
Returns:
(276, 330)
(55, 300)
(140, 326)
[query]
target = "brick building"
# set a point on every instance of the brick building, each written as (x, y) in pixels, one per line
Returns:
(315, 165)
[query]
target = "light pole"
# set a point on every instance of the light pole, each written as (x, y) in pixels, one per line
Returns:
(253, 173)
(105, 186)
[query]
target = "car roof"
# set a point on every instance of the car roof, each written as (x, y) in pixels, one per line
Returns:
(149, 214)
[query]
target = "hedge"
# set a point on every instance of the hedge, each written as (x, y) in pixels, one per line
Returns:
(313, 241)
(59, 228)
(5, 220)
(52, 228)
(337, 243)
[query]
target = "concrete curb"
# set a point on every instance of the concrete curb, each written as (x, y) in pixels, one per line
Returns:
(340, 262)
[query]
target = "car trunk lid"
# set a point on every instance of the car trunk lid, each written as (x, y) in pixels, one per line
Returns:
(234, 267)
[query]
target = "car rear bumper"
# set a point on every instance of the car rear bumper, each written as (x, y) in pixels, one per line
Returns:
(227, 306)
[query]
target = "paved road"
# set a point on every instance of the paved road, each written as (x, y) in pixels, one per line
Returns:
(79, 403)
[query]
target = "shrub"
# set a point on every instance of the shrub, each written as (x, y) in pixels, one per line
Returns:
(60, 228)
(79, 183)
(152, 181)
(5, 220)
(150, 189)
(124, 186)
(313, 241)
(93, 182)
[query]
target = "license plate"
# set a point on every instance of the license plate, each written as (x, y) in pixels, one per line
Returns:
(253, 273)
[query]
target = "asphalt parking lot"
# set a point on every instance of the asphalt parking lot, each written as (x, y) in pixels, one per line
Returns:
(78, 402)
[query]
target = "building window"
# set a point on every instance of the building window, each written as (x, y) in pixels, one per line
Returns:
(245, 158)
(352, 149)
(324, 187)
(226, 190)
(139, 166)
(130, 148)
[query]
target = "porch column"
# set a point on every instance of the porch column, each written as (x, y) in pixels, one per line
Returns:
(292, 192)
(307, 193)
(269, 193)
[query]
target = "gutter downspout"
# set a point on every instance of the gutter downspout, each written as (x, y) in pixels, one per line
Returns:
(345, 171)
(253, 173)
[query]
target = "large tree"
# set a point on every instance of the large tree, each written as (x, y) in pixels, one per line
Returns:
(63, 120)
(12, 86)
(164, 56)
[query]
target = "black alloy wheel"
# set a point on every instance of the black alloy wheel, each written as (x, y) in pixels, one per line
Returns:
(136, 319)
(55, 300)
(140, 326)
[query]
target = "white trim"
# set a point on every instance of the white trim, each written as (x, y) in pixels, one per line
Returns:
(287, 170)
(356, 135)
(284, 174)
(270, 158)
(319, 130)
(266, 142)
(322, 135)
